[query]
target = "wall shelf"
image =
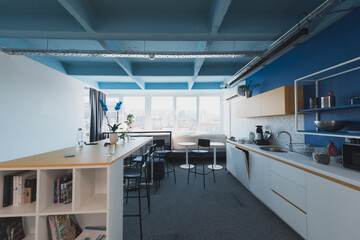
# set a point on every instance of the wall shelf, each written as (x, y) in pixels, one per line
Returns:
(314, 78)
(330, 134)
(329, 109)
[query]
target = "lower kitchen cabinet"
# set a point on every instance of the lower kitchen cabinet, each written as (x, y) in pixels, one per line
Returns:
(333, 210)
(237, 164)
(259, 176)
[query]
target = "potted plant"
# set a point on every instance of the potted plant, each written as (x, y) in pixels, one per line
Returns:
(113, 135)
(247, 88)
(130, 119)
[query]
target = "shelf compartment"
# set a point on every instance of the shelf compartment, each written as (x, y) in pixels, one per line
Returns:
(330, 134)
(27, 209)
(329, 109)
(91, 193)
(84, 220)
(46, 193)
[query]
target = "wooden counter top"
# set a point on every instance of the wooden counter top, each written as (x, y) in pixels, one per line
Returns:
(88, 155)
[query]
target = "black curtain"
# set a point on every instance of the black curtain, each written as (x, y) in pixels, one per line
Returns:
(96, 115)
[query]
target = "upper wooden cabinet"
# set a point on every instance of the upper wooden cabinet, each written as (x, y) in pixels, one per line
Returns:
(280, 101)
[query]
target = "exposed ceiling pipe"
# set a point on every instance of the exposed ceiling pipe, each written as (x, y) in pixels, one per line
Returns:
(292, 36)
(129, 54)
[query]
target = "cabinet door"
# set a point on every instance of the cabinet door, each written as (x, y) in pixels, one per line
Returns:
(240, 108)
(333, 210)
(241, 172)
(253, 106)
(259, 176)
(273, 102)
(229, 158)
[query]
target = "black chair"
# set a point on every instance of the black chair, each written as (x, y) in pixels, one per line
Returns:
(136, 174)
(166, 155)
(200, 155)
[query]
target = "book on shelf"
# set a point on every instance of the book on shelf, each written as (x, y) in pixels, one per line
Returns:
(63, 189)
(11, 228)
(15, 192)
(8, 188)
(95, 233)
(63, 227)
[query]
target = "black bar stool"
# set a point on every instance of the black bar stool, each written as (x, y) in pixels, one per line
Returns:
(162, 153)
(136, 174)
(200, 154)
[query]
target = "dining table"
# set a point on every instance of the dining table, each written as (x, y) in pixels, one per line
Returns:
(186, 144)
(214, 165)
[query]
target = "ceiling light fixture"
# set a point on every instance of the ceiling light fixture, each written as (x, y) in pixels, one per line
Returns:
(292, 36)
(129, 54)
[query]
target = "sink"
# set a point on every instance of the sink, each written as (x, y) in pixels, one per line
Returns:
(274, 149)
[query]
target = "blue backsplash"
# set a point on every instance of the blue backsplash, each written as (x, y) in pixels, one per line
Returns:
(337, 43)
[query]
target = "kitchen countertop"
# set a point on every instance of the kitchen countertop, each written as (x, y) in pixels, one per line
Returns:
(333, 171)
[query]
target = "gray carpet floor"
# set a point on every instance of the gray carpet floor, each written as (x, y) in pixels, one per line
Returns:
(225, 210)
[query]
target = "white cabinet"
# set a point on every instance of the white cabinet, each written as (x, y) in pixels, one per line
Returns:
(236, 164)
(259, 176)
(229, 159)
(288, 195)
(333, 210)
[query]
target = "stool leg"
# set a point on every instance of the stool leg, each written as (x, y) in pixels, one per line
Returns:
(174, 170)
(188, 174)
(127, 190)
(204, 171)
(147, 191)
(214, 174)
(139, 197)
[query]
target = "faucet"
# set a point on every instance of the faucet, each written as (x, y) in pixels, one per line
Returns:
(290, 143)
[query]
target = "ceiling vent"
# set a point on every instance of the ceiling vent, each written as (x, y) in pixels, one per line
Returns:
(234, 92)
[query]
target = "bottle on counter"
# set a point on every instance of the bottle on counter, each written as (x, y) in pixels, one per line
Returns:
(80, 138)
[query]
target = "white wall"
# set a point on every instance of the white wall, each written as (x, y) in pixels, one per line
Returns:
(41, 108)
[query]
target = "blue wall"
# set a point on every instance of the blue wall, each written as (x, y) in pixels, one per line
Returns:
(337, 43)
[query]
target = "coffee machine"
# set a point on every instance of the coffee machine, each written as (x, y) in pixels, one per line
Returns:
(262, 138)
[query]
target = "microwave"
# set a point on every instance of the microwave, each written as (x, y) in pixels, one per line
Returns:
(351, 156)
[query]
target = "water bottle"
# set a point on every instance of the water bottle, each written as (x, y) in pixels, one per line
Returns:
(80, 138)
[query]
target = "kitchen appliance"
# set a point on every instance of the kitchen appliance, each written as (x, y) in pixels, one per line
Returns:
(260, 137)
(355, 100)
(328, 101)
(351, 156)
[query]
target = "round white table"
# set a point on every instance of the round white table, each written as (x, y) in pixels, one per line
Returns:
(215, 166)
(186, 144)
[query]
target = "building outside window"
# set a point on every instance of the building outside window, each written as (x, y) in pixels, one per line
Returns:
(209, 114)
(135, 106)
(162, 113)
(186, 114)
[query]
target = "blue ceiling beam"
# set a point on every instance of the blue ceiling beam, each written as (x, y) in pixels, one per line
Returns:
(124, 64)
(219, 10)
(94, 69)
(203, 46)
(163, 69)
(207, 85)
(81, 11)
(119, 85)
(166, 86)
(20, 43)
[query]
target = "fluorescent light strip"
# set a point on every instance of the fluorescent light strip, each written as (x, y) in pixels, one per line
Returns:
(127, 54)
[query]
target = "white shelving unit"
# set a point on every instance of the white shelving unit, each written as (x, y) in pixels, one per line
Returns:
(93, 203)
(314, 78)
(89, 200)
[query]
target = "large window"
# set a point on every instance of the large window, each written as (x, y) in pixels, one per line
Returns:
(186, 114)
(136, 106)
(162, 113)
(209, 114)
